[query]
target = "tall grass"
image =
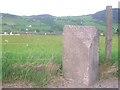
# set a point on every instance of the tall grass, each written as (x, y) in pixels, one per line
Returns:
(26, 50)
(33, 48)
(114, 57)
(21, 54)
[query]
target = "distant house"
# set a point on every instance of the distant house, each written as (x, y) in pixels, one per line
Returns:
(30, 26)
(5, 33)
(101, 34)
(11, 33)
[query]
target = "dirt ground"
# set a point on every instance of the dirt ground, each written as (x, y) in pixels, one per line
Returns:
(17, 84)
(111, 82)
(107, 80)
(104, 83)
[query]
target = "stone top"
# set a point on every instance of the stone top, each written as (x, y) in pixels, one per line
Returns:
(85, 33)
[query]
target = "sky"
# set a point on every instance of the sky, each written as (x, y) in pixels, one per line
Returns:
(55, 7)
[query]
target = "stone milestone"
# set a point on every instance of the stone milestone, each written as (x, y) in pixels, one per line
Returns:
(81, 56)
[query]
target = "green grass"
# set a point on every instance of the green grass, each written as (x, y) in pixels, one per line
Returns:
(54, 25)
(22, 23)
(32, 47)
(35, 50)
(114, 58)
(26, 50)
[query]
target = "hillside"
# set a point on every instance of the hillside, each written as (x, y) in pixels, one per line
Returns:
(101, 15)
(48, 23)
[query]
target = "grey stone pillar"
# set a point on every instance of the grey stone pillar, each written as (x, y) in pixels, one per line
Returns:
(81, 59)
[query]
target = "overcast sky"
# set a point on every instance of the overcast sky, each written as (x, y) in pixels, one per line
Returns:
(55, 7)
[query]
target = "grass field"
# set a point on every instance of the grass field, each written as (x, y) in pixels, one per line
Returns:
(38, 49)
(29, 50)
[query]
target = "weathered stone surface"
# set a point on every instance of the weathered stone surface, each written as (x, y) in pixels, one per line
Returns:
(81, 59)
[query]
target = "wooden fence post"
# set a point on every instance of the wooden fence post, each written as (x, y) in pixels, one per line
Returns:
(108, 47)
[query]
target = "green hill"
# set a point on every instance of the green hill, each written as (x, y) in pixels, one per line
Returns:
(101, 15)
(48, 23)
